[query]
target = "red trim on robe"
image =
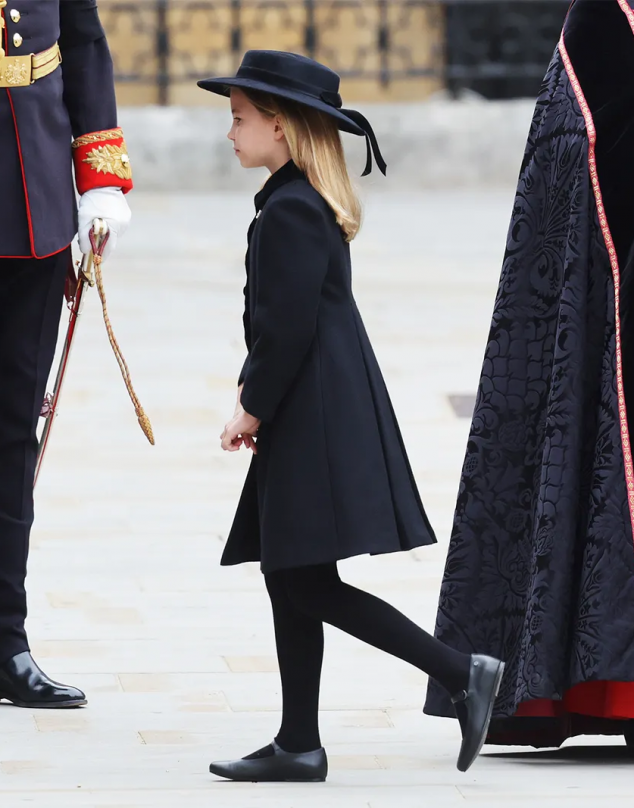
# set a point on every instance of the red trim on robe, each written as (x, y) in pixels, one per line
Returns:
(600, 699)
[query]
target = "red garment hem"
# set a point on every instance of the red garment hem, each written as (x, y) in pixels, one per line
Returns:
(598, 699)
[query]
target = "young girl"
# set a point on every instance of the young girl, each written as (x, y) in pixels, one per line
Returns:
(330, 477)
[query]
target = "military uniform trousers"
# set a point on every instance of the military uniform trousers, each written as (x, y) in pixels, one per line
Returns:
(31, 299)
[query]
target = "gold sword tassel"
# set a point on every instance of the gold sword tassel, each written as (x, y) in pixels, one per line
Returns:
(98, 239)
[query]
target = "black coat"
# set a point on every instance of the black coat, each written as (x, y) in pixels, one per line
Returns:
(38, 122)
(541, 563)
(331, 478)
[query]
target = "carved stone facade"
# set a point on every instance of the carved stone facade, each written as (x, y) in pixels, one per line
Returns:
(386, 50)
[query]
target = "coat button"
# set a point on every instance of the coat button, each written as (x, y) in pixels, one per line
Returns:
(15, 15)
(17, 40)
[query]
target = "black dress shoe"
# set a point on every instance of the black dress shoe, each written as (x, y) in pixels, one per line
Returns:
(25, 685)
(279, 767)
(475, 706)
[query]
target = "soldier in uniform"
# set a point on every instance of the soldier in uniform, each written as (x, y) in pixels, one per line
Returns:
(57, 107)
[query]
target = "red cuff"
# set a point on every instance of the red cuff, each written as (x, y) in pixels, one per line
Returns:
(101, 161)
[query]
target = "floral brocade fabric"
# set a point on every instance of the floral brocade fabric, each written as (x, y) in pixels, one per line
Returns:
(540, 571)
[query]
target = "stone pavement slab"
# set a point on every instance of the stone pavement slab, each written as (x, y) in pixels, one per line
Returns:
(127, 598)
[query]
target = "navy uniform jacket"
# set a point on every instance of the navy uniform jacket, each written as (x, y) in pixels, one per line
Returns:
(38, 122)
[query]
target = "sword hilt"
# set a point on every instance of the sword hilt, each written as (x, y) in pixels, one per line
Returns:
(97, 238)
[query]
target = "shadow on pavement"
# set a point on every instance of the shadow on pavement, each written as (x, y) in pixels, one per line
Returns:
(587, 755)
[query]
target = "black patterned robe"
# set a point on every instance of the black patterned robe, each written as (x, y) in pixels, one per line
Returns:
(540, 570)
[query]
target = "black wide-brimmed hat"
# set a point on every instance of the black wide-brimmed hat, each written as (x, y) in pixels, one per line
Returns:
(300, 79)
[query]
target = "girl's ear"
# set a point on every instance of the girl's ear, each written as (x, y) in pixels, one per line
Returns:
(278, 132)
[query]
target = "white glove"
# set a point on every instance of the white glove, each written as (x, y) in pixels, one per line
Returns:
(108, 204)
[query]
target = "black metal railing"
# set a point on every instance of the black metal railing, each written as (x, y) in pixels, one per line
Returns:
(500, 49)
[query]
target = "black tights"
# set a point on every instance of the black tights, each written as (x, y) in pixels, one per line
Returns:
(305, 598)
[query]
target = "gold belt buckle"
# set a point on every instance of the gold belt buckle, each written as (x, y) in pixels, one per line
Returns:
(15, 71)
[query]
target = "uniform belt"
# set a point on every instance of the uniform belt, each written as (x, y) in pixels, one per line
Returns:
(20, 71)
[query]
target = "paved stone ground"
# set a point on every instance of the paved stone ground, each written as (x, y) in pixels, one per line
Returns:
(127, 598)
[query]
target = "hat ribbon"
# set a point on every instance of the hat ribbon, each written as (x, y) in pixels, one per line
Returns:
(370, 139)
(334, 100)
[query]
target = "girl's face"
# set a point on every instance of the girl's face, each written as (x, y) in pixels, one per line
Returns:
(258, 141)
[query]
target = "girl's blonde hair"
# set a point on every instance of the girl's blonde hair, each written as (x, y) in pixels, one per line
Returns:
(316, 149)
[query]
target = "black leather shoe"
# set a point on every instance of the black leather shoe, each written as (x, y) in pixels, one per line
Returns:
(475, 706)
(280, 767)
(25, 685)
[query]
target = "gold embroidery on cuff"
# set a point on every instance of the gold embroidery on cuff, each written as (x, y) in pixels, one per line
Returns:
(110, 159)
(96, 137)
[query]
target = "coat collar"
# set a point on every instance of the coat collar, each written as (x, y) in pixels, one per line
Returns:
(287, 173)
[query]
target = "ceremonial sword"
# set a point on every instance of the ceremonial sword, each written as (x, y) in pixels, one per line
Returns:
(88, 275)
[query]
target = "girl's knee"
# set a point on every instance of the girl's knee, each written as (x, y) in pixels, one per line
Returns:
(309, 587)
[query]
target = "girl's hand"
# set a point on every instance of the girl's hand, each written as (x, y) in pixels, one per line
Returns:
(240, 431)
